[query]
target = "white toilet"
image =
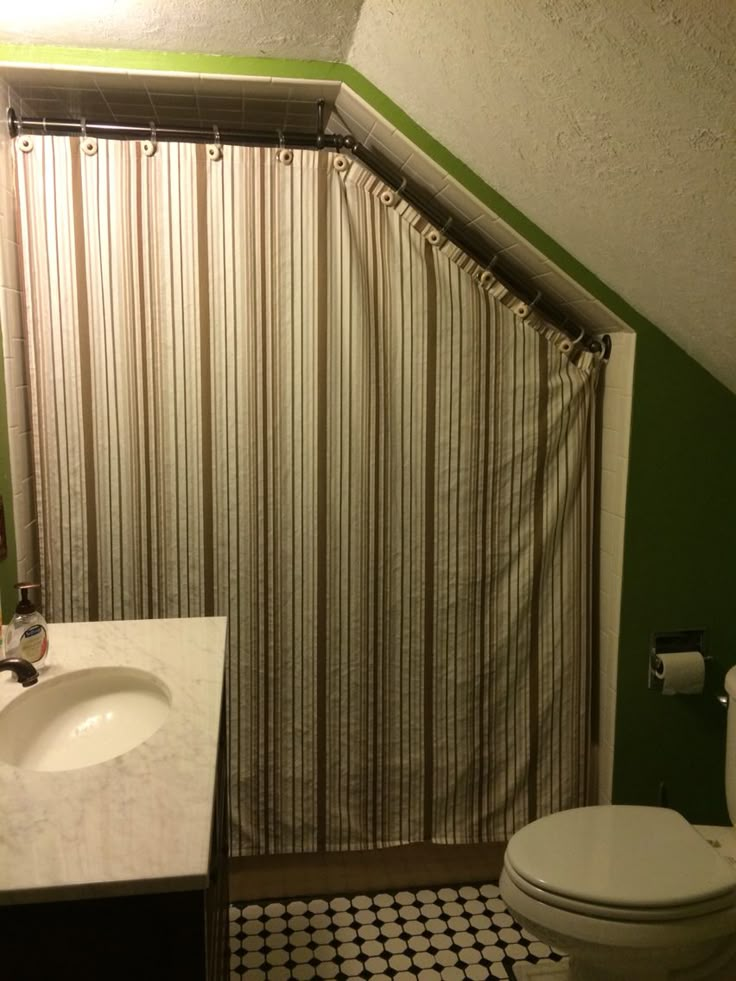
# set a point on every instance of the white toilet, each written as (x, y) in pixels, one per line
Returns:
(628, 892)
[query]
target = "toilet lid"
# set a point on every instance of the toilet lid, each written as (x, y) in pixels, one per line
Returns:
(620, 856)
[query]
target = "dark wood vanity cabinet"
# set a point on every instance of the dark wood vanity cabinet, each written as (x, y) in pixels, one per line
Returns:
(164, 936)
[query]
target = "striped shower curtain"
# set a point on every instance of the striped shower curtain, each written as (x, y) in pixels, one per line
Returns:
(264, 390)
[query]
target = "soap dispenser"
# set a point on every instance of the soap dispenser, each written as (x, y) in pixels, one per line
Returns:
(27, 634)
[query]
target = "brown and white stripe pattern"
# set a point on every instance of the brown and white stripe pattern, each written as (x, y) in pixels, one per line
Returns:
(258, 391)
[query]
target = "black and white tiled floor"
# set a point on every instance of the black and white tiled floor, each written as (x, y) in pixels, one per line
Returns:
(443, 934)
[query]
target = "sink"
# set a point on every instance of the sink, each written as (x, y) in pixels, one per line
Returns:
(82, 717)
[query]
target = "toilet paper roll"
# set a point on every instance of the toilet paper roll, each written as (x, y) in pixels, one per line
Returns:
(682, 673)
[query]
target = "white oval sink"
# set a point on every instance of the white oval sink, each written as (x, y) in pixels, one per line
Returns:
(82, 718)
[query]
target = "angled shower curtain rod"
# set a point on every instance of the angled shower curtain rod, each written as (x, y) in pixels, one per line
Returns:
(319, 140)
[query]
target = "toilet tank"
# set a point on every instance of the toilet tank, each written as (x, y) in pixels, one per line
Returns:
(731, 745)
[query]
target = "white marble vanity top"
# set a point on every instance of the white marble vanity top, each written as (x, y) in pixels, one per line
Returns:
(137, 823)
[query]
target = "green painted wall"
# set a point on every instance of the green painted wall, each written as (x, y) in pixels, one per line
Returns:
(679, 573)
(680, 549)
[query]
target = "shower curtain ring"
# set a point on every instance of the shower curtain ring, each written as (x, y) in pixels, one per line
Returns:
(402, 187)
(283, 155)
(487, 277)
(151, 145)
(214, 150)
(89, 143)
(446, 226)
(570, 342)
(24, 142)
(523, 309)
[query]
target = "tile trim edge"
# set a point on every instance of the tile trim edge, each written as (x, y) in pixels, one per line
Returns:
(235, 65)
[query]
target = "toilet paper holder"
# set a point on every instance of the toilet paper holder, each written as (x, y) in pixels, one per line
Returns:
(673, 642)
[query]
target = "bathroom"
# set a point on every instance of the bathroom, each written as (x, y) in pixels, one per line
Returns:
(667, 473)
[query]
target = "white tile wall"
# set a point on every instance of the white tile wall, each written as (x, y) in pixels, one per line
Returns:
(11, 324)
(615, 407)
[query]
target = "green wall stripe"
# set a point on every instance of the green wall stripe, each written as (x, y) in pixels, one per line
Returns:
(166, 61)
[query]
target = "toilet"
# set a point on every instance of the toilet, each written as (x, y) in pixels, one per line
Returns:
(629, 892)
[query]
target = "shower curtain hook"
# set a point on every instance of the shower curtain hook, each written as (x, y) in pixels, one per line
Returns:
(24, 142)
(486, 278)
(89, 144)
(535, 301)
(402, 187)
(446, 226)
(45, 131)
(570, 342)
(283, 155)
(214, 150)
(151, 144)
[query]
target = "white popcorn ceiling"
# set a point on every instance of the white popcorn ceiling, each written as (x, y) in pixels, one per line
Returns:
(319, 29)
(610, 125)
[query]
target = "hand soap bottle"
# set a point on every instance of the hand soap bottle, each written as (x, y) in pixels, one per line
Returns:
(26, 634)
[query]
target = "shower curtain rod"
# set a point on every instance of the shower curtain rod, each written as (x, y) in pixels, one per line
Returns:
(319, 140)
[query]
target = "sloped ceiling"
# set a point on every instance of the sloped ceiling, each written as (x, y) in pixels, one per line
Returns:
(610, 125)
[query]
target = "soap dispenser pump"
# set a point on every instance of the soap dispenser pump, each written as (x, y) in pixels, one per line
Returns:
(27, 634)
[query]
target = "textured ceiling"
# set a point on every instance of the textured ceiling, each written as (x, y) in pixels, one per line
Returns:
(319, 29)
(611, 125)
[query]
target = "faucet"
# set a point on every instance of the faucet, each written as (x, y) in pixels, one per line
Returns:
(25, 673)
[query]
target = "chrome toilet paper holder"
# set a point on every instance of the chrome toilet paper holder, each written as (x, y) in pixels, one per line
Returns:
(674, 642)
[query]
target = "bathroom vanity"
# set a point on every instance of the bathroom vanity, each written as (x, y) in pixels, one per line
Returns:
(117, 868)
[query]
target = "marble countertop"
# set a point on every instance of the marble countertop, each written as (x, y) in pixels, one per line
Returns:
(137, 823)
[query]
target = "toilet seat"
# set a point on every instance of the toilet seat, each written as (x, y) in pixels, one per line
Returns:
(625, 863)
(660, 914)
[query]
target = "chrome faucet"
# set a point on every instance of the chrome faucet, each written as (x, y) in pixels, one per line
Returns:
(25, 673)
